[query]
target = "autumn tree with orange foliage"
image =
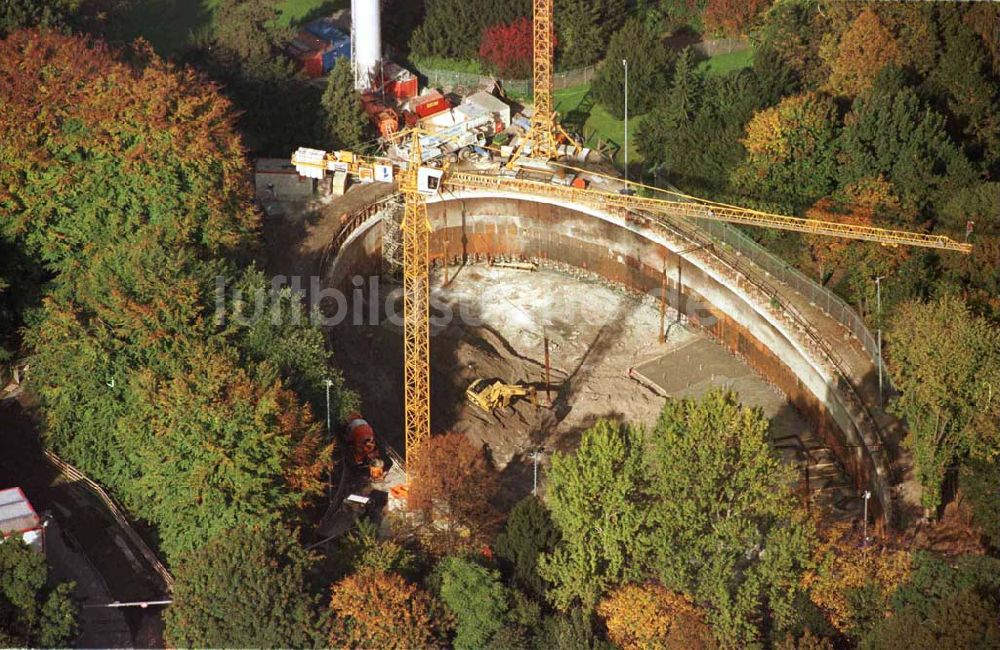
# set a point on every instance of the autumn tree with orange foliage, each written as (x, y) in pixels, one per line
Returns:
(652, 616)
(732, 17)
(854, 264)
(375, 609)
(864, 49)
(129, 190)
(251, 453)
(853, 584)
(791, 150)
(452, 488)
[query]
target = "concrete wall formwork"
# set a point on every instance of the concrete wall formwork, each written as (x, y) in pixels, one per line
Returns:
(635, 255)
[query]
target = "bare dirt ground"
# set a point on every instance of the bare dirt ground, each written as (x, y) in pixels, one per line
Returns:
(492, 322)
(596, 333)
(296, 233)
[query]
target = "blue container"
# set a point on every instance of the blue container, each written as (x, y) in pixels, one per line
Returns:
(325, 29)
(329, 59)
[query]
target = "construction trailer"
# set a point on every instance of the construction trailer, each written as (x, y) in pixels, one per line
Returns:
(496, 107)
(18, 519)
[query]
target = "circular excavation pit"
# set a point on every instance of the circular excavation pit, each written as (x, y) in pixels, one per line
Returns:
(738, 333)
(605, 361)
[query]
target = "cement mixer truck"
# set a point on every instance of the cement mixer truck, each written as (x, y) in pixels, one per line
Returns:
(360, 437)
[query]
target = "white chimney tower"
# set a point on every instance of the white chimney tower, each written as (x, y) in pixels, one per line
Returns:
(366, 41)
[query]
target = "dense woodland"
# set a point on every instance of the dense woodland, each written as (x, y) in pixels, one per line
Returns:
(124, 203)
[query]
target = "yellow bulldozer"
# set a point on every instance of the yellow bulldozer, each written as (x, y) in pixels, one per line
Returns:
(493, 394)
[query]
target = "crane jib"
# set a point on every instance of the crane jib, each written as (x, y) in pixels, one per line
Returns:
(697, 210)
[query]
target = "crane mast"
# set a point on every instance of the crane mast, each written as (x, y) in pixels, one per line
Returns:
(416, 291)
(542, 136)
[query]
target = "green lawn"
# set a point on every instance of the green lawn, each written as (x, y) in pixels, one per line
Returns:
(170, 24)
(444, 63)
(575, 106)
(720, 64)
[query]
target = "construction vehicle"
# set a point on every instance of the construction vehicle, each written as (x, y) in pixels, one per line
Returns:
(382, 117)
(493, 394)
(360, 436)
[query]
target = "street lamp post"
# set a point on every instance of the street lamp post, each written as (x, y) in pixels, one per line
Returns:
(328, 383)
(534, 481)
(329, 431)
(878, 317)
(867, 495)
(625, 64)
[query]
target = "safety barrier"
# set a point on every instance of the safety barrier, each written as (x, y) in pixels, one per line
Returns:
(518, 87)
(81, 479)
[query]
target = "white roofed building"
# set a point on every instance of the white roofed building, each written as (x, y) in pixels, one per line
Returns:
(18, 518)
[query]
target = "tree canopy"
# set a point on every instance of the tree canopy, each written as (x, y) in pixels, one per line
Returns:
(130, 188)
(604, 481)
(645, 616)
(945, 361)
(374, 608)
(452, 489)
(725, 521)
(33, 613)
(246, 587)
(527, 534)
(647, 58)
(477, 598)
(347, 124)
(791, 150)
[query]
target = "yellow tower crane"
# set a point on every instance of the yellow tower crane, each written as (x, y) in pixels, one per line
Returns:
(416, 294)
(545, 133)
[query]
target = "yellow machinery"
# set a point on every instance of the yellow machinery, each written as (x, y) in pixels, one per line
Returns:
(416, 280)
(699, 209)
(490, 395)
(545, 132)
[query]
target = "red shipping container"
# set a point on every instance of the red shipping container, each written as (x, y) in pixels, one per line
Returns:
(402, 89)
(307, 50)
(431, 104)
(312, 64)
(407, 89)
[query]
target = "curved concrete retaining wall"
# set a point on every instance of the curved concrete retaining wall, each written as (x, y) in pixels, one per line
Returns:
(626, 250)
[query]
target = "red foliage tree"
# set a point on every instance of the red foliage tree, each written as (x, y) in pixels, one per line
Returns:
(377, 609)
(452, 487)
(507, 48)
(731, 17)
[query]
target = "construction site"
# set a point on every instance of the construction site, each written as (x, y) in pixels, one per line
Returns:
(536, 291)
(478, 324)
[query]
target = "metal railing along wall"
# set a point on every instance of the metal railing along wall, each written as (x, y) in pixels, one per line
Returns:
(815, 293)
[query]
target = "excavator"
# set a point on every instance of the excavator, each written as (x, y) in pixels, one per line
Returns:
(493, 394)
